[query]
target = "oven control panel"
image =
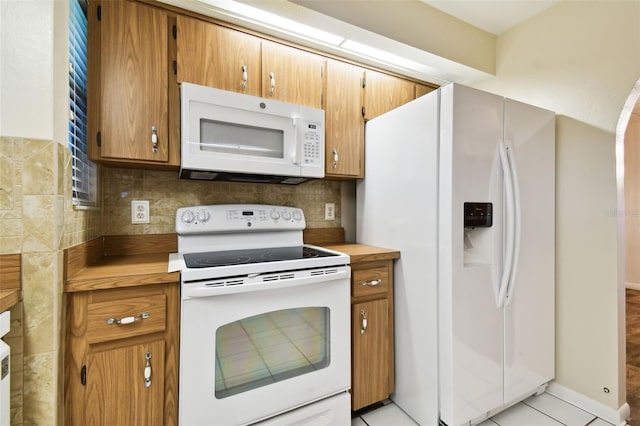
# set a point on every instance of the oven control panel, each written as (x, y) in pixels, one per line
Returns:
(222, 218)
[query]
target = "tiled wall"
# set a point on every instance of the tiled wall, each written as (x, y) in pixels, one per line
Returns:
(166, 193)
(38, 221)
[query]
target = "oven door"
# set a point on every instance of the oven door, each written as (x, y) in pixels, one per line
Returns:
(251, 355)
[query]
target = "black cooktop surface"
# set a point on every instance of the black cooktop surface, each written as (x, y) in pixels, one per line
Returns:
(237, 257)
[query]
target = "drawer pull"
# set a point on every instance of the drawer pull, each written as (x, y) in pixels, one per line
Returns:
(372, 283)
(128, 320)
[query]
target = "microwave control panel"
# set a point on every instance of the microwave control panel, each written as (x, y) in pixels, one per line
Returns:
(312, 143)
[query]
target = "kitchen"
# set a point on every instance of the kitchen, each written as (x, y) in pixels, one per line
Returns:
(38, 222)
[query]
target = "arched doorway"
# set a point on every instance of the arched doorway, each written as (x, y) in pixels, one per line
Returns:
(628, 171)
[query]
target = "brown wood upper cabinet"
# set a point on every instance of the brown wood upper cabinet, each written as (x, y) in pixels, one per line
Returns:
(423, 89)
(292, 75)
(215, 56)
(344, 123)
(129, 83)
(385, 92)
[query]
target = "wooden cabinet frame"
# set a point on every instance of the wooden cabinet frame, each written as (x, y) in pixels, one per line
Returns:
(120, 133)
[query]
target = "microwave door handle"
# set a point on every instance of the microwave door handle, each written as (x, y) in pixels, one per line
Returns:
(297, 128)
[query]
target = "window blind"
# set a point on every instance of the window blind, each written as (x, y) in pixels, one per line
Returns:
(84, 172)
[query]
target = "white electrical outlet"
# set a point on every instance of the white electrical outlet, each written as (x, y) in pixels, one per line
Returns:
(329, 211)
(139, 211)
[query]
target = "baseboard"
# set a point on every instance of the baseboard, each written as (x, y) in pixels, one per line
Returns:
(632, 286)
(617, 417)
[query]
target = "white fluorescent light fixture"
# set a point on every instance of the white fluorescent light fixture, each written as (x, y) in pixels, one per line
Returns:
(383, 56)
(248, 13)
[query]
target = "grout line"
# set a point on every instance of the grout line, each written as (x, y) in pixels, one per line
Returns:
(546, 414)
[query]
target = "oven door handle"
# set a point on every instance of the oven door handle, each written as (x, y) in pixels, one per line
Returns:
(199, 290)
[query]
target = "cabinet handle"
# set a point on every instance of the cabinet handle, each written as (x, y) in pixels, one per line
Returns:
(128, 320)
(147, 370)
(154, 139)
(363, 314)
(272, 79)
(335, 158)
(373, 283)
(245, 77)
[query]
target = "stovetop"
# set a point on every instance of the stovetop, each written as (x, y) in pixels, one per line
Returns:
(248, 256)
(228, 240)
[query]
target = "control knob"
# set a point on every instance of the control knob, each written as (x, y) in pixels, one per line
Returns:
(297, 215)
(203, 216)
(275, 215)
(187, 216)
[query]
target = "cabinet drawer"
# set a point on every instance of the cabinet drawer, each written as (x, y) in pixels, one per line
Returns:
(370, 281)
(119, 319)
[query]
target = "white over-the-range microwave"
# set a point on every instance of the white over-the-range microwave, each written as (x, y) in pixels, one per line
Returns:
(235, 137)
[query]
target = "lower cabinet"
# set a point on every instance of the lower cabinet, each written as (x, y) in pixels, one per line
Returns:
(121, 361)
(372, 371)
(137, 400)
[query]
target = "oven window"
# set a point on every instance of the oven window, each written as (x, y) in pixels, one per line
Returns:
(240, 139)
(271, 347)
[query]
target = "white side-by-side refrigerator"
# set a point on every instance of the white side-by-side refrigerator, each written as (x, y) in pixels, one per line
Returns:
(462, 182)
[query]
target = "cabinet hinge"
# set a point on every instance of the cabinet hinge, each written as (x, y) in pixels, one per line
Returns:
(363, 82)
(99, 13)
(99, 139)
(83, 375)
(175, 31)
(364, 111)
(175, 67)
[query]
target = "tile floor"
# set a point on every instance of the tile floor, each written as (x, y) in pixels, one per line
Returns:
(541, 410)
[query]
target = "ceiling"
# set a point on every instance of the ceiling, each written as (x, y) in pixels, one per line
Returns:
(494, 16)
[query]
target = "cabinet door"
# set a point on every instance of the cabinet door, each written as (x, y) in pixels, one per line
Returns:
(370, 342)
(384, 92)
(134, 82)
(423, 89)
(292, 75)
(344, 135)
(116, 392)
(215, 56)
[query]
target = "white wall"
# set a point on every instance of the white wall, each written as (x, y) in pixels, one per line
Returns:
(34, 69)
(581, 59)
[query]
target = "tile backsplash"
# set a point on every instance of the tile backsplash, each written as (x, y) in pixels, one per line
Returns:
(166, 192)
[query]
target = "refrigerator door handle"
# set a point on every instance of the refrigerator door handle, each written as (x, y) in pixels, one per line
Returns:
(509, 221)
(516, 221)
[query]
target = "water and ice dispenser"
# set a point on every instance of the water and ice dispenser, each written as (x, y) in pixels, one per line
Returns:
(478, 241)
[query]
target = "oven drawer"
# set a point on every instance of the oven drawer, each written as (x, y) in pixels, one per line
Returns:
(370, 281)
(123, 318)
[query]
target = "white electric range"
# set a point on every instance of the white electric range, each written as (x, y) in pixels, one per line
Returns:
(265, 319)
